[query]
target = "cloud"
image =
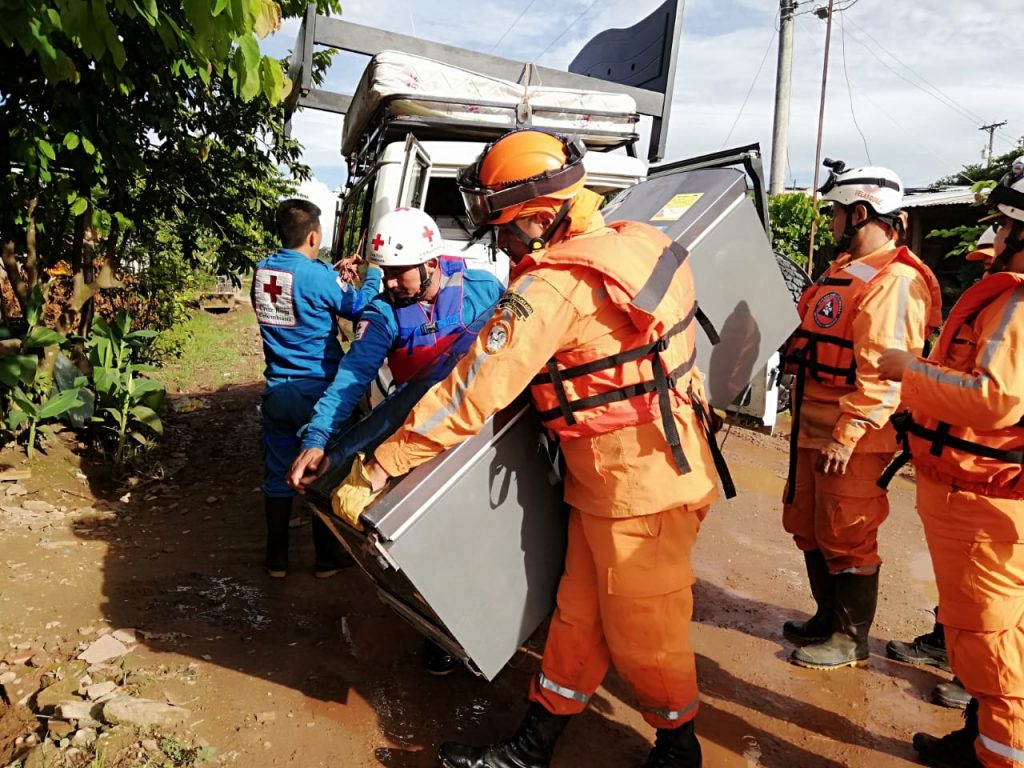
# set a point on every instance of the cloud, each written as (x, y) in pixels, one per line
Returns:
(923, 128)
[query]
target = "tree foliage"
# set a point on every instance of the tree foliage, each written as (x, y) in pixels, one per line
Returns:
(125, 115)
(791, 214)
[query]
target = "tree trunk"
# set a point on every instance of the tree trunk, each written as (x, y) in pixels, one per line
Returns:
(10, 260)
(31, 257)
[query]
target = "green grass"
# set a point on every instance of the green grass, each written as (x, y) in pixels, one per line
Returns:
(216, 350)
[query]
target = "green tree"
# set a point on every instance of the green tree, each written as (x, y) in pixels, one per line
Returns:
(790, 215)
(123, 113)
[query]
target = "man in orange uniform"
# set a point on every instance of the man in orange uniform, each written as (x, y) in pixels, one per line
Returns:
(965, 430)
(599, 324)
(873, 296)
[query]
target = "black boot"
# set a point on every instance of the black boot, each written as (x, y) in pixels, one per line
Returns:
(331, 557)
(925, 650)
(676, 748)
(530, 747)
(856, 597)
(954, 750)
(819, 626)
(278, 511)
(951, 694)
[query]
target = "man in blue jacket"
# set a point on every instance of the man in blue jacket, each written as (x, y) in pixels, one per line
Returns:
(297, 300)
(430, 301)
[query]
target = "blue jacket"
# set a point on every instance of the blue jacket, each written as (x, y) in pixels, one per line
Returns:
(297, 301)
(377, 335)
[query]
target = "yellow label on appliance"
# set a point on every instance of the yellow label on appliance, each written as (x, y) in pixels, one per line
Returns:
(677, 206)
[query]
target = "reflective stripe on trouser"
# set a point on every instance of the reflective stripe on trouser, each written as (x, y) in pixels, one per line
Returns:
(977, 549)
(839, 514)
(625, 598)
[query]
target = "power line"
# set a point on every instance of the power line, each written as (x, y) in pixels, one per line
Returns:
(757, 75)
(849, 88)
(937, 94)
(570, 26)
(512, 25)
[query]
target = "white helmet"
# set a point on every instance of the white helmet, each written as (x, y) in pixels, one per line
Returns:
(879, 187)
(1009, 201)
(404, 237)
(1018, 164)
(988, 237)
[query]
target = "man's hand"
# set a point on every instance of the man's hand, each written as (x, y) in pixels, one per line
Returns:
(307, 467)
(893, 364)
(348, 268)
(834, 458)
(365, 482)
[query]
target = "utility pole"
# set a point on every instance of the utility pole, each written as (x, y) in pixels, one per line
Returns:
(783, 83)
(991, 128)
(821, 131)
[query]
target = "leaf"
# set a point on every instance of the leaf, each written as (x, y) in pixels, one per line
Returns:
(88, 146)
(41, 336)
(250, 52)
(22, 401)
(148, 417)
(59, 404)
(142, 387)
(273, 79)
(46, 148)
(35, 305)
(219, 7)
(10, 372)
(144, 334)
(79, 206)
(71, 140)
(29, 365)
(104, 380)
(268, 20)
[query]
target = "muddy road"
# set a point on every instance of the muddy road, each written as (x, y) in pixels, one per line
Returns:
(309, 672)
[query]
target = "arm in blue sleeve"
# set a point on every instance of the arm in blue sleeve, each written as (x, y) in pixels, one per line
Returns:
(344, 300)
(357, 369)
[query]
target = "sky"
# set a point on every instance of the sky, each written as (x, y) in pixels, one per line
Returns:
(910, 83)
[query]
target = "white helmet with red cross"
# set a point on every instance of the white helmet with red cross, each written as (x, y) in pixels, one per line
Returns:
(404, 237)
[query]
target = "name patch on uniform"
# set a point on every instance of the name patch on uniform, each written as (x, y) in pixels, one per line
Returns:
(515, 304)
(497, 337)
(828, 309)
(272, 292)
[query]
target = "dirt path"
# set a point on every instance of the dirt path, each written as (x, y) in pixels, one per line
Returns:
(310, 672)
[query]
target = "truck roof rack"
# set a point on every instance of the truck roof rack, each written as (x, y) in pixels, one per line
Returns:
(639, 61)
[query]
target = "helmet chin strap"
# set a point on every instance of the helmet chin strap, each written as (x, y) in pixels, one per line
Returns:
(850, 232)
(1014, 245)
(420, 295)
(538, 243)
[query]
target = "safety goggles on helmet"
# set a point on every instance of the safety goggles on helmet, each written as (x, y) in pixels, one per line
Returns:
(484, 204)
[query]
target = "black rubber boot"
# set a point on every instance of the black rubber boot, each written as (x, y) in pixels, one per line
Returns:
(928, 650)
(951, 694)
(856, 597)
(676, 748)
(331, 557)
(819, 626)
(530, 747)
(278, 511)
(954, 750)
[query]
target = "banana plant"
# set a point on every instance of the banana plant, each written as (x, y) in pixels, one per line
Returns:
(26, 412)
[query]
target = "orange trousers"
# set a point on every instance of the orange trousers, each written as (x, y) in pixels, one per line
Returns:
(625, 598)
(977, 548)
(839, 514)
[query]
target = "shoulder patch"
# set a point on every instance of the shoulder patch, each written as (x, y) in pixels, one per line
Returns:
(275, 301)
(498, 336)
(515, 304)
(361, 327)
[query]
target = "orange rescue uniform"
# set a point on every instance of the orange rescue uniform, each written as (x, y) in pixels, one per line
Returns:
(625, 596)
(856, 310)
(966, 432)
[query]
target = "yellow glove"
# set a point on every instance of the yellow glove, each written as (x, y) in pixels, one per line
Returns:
(355, 494)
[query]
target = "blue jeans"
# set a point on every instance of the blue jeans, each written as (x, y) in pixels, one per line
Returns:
(287, 406)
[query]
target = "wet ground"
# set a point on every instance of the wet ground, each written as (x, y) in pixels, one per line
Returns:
(307, 672)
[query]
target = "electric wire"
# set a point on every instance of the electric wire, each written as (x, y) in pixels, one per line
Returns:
(974, 116)
(753, 84)
(562, 33)
(512, 26)
(942, 100)
(849, 88)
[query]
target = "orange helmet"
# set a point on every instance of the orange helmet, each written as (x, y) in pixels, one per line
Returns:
(519, 167)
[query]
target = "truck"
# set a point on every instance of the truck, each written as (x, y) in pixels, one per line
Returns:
(422, 111)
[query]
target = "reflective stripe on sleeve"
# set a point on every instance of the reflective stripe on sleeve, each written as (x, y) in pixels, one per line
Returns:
(674, 714)
(566, 693)
(1003, 750)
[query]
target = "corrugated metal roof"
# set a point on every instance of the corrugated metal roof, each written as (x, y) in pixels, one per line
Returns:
(945, 196)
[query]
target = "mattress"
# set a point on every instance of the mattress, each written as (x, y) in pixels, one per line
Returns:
(417, 87)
